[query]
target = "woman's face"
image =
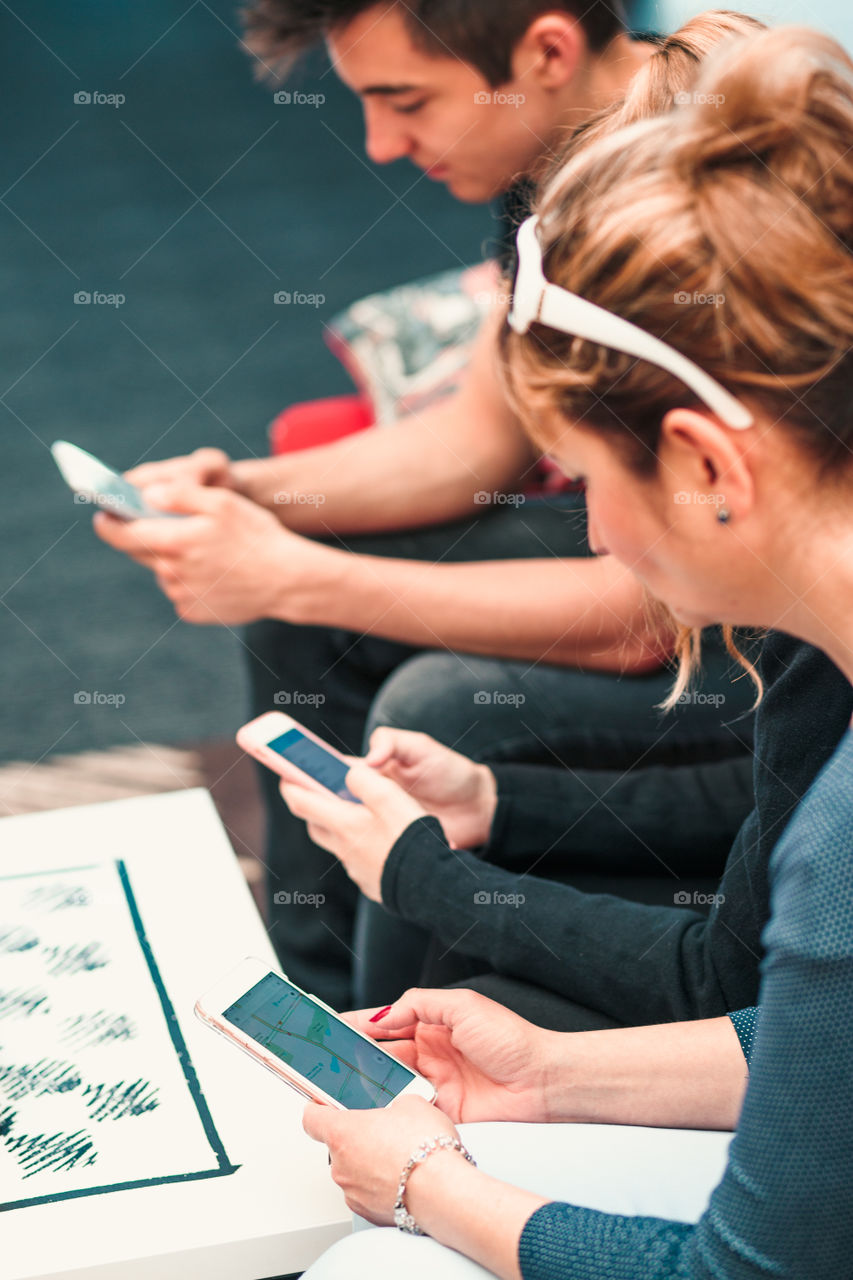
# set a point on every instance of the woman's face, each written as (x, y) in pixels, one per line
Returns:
(662, 526)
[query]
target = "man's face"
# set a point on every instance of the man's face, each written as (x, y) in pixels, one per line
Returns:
(439, 112)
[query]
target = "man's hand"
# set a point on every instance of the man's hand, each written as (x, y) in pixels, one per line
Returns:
(204, 466)
(360, 835)
(229, 562)
(461, 794)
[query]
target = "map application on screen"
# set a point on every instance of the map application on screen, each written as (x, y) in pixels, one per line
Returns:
(304, 1035)
(309, 756)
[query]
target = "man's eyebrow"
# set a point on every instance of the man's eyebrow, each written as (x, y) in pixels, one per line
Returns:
(387, 90)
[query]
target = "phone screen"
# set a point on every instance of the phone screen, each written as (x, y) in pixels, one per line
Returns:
(315, 1043)
(113, 493)
(95, 482)
(314, 760)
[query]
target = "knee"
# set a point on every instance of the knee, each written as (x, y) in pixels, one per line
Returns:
(428, 693)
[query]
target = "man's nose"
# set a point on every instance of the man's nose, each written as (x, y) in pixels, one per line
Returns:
(384, 141)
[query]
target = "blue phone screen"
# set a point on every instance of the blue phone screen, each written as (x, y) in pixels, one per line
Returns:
(312, 1041)
(314, 760)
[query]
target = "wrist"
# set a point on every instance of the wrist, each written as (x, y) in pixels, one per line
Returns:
(434, 1183)
(587, 1075)
(566, 1065)
(256, 479)
(487, 803)
(312, 582)
(460, 1206)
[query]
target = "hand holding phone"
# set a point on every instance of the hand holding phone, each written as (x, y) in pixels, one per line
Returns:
(93, 481)
(296, 754)
(304, 1042)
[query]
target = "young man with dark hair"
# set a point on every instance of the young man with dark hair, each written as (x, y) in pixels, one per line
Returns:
(424, 608)
(425, 71)
(477, 32)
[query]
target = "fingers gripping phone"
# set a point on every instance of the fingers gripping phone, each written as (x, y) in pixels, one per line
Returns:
(304, 1042)
(93, 481)
(296, 754)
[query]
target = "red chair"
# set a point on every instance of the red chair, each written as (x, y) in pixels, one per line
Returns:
(316, 422)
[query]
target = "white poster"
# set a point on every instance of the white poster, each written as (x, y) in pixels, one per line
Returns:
(97, 1090)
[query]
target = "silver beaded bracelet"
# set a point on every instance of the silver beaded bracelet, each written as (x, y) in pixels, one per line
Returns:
(402, 1218)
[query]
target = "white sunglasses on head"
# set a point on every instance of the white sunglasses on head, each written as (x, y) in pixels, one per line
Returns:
(536, 301)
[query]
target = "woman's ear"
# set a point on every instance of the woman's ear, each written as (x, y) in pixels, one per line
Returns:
(707, 464)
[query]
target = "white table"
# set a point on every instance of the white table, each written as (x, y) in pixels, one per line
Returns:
(280, 1209)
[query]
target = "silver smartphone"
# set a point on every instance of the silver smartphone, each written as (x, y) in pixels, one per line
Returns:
(93, 481)
(304, 1042)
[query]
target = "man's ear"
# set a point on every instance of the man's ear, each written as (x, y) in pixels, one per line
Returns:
(550, 51)
(707, 461)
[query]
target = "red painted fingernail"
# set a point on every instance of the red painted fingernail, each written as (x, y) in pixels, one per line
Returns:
(381, 1013)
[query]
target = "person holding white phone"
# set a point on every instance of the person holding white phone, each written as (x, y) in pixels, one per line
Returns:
(749, 183)
(494, 918)
(431, 608)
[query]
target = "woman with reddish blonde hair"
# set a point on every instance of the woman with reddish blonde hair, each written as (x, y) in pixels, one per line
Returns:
(682, 339)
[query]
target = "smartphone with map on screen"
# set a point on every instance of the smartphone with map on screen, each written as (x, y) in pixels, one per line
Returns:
(304, 1042)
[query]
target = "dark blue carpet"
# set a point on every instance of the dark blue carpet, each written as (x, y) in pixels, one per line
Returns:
(197, 199)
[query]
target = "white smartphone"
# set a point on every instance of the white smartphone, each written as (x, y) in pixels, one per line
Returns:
(304, 1042)
(295, 753)
(93, 481)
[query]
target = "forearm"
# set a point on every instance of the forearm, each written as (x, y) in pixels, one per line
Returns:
(584, 612)
(617, 822)
(425, 469)
(467, 1210)
(689, 1075)
(632, 962)
(685, 1075)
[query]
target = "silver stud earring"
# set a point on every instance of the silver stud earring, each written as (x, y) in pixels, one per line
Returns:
(724, 515)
